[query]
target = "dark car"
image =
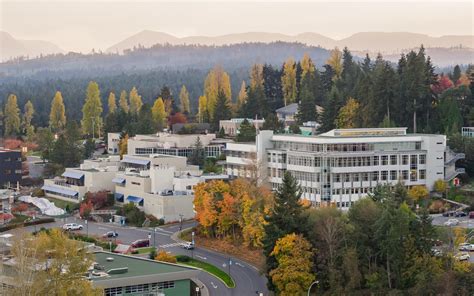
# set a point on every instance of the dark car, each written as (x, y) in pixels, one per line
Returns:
(460, 214)
(141, 243)
(448, 214)
(471, 215)
(110, 234)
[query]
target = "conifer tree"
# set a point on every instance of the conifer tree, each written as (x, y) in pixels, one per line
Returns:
(92, 110)
(216, 81)
(247, 132)
(12, 116)
(57, 115)
(331, 109)
(221, 110)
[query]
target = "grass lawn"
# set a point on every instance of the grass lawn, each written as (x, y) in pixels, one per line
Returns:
(62, 203)
(144, 250)
(225, 277)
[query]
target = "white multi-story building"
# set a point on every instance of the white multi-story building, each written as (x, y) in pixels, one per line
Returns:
(341, 166)
(174, 144)
(113, 140)
(93, 175)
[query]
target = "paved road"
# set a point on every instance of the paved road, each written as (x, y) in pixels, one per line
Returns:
(248, 279)
(465, 222)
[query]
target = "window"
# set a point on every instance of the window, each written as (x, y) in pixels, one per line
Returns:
(422, 159)
(405, 175)
(413, 175)
(375, 176)
(136, 183)
(384, 175)
(404, 159)
(375, 160)
(365, 176)
(422, 174)
(393, 175)
(393, 160)
(337, 178)
(384, 159)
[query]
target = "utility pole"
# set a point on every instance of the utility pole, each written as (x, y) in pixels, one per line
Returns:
(181, 222)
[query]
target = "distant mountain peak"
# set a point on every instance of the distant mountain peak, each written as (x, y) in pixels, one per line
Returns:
(10, 47)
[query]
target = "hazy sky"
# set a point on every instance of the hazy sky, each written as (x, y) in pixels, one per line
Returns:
(84, 24)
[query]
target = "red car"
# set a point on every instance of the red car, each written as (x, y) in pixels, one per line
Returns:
(471, 215)
(141, 243)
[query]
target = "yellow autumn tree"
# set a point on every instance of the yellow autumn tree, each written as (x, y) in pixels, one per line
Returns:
(135, 101)
(203, 113)
(123, 103)
(12, 116)
(418, 192)
(92, 110)
(348, 116)
(440, 186)
(123, 145)
(307, 65)
(158, 113)
(293, 274)
(112, 102)
(243, 96)
(335, 61)
(216, 81)
(288, 81)
(256, 76)
(184, 100)
(57, 115)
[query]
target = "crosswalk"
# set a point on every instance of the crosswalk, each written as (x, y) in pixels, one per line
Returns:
(170, 245)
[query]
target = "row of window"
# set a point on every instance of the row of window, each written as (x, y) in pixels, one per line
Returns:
(353, 147)
(143, 288)
(311, 161)
(210, 151)
(9, 172)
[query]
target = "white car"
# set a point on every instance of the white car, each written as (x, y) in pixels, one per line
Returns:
(466, 247)
(451, 222)
(463, 256)
(72, 226)
(188, 245)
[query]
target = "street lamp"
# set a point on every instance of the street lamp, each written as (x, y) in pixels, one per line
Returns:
(149, 237)
(154, 237)
(87, 228)
(192, 242)
(310, 286)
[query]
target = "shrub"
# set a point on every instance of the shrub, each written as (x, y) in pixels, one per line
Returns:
(165, 257)
(183, 258)
(86, 209)
(38, 192)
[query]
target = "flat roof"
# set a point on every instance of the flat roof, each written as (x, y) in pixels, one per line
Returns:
(136, 266)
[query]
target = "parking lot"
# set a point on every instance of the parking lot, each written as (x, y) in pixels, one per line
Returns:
(465, 222)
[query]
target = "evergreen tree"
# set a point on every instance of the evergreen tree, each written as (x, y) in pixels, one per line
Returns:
(456, 74)
(184, 100)
(286, 217)
(145, 123)
(272, 87)
(57, 116)
(198, 156)
(123, 103)
(247, 132)
(12, 116)
(273, 123)
(92, 110)
(331, 110)
(112, 103)
(221, 110)
(66, 151)
(307, 106)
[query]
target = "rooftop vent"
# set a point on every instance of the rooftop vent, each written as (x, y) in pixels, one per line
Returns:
(119, 270)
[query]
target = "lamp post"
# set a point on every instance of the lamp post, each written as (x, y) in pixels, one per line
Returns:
(149, 237)
(181, 222)
(192, 242)
(310, 286)
(87, 228)
(154, 237)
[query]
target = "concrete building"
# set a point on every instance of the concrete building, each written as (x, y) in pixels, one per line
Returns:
(231, 126)
(341, 166)
(160, 185)
(468, 132)
(10, 168)
(92, 176)
(288, 113)
(173, 144)
(113, 140)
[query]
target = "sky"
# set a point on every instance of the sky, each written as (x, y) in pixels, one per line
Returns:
(80, 25)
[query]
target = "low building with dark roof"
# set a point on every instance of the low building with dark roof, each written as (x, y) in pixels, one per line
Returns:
(10, 167)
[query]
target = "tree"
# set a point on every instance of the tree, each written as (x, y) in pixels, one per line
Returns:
(221, 110)
(331, 110)
(203, 113)
(45, 141)
(184, 100)
(91, 111)
(440, 186)
(177, 118)
(443, 84)
(12, 116)
(85, 209)
(123, 145)
(242, 97)
(286, 217)
(247, 132)
(456, 73)
(293, 274)
(307, 106)
(66, 151)
(112, 102)
(288, 81)
(89, 148)
(168, 100)
(165, 257)
(198, 156)
(418, 192)
(63, 258)
(28, 112)
(294, 129)
(57, 116)
(123, 103)
(335, 61)
(159, 114)
(273, 123)
(145, 124)
(217, 81)
(135, 101)
(348, 116)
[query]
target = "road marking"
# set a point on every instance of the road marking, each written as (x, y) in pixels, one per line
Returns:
(170, 245)
(203, 258)
(239, 264)
(214, 285)
(165, 231)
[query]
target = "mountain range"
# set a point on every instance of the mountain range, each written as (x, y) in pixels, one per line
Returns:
(385, 43)
(11, 47)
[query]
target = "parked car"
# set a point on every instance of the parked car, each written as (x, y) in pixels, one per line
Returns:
(110, 234)
(188, 245)
(451, 222)
(141, 243)
(463, 256)
(436, 252)
(466, 247)
(460, 214)
(471, 215)
(72, 226)
(448, 214)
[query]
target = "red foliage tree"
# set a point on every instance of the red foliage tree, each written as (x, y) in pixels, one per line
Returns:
(177, 118)
(86, 209)
(13, 143)
(443, 84)
(20, 208)
(98, 199)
